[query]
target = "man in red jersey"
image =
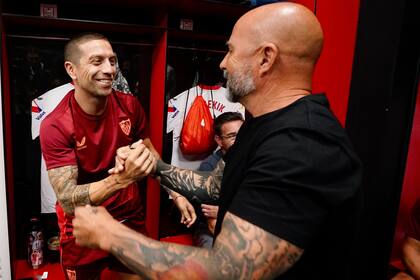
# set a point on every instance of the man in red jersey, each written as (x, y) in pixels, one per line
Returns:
(79, 140)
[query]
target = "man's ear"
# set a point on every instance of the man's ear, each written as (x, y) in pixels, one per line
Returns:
(218, 140)
(70, 69)
(268, 57)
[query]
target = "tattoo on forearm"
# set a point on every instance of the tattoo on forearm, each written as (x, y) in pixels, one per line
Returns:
(153, 260)
(242, 251)
(246, 251)
(69, 194)
(81, 195)
(199, 186)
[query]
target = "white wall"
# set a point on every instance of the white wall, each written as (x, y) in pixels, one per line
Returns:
(4, 236)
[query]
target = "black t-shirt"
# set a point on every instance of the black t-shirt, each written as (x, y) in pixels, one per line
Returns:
(293, 173)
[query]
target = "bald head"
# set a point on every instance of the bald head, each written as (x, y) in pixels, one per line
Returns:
(272, 54)
(293, 28)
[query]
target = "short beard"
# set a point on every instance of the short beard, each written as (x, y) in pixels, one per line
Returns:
(239, 84)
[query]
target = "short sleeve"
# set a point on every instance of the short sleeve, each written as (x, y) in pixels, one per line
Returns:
(294, 179)
(56, 145)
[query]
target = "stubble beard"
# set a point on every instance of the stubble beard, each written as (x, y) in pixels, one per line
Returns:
(239, 84)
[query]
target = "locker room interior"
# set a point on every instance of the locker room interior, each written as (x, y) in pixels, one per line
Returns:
(369, 69)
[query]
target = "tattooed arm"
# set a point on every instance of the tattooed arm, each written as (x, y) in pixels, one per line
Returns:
(200, 186)
(70, 194)
(188, 215)
(241, 251)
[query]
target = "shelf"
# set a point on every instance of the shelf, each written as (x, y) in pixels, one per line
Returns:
(225, 9)
(218, 9)
(23, 270)
(23, 24)
(194, 39)
(141, 12)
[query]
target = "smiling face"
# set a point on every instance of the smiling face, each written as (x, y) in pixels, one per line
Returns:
(94, 68)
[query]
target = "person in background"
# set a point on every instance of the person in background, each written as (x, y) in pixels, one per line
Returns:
(78, 142)
(289, 200)
(226, 127)
(411, 246)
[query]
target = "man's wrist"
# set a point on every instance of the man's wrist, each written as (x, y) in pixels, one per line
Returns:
(118, 182)
(176, 197)
(105, 238)
(159, 167)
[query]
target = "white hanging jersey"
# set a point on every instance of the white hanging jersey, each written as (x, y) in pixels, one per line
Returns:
(176, 108)
(41, 107)
(45, 104)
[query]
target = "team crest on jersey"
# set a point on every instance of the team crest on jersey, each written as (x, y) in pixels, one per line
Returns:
(126, 126)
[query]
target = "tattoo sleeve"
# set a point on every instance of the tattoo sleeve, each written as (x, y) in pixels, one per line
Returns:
(241, 251)
(69, 194)
(198, 186)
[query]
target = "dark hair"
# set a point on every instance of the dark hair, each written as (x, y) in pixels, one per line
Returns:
(71, 49)
(225, 118)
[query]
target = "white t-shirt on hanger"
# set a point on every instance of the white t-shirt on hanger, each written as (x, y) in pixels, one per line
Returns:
(41, 107)
(176, 107)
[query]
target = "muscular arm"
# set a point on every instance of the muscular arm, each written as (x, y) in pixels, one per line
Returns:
(241, 251)
(200, 186)
(194, 185)
(69, 194)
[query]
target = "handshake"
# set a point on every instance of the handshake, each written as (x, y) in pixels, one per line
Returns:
(133, 163)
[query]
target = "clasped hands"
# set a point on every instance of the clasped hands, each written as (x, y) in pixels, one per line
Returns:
(135, 161)
(91, 223)
(137, 154)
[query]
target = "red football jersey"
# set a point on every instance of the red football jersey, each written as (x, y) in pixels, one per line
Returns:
(69, 136)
